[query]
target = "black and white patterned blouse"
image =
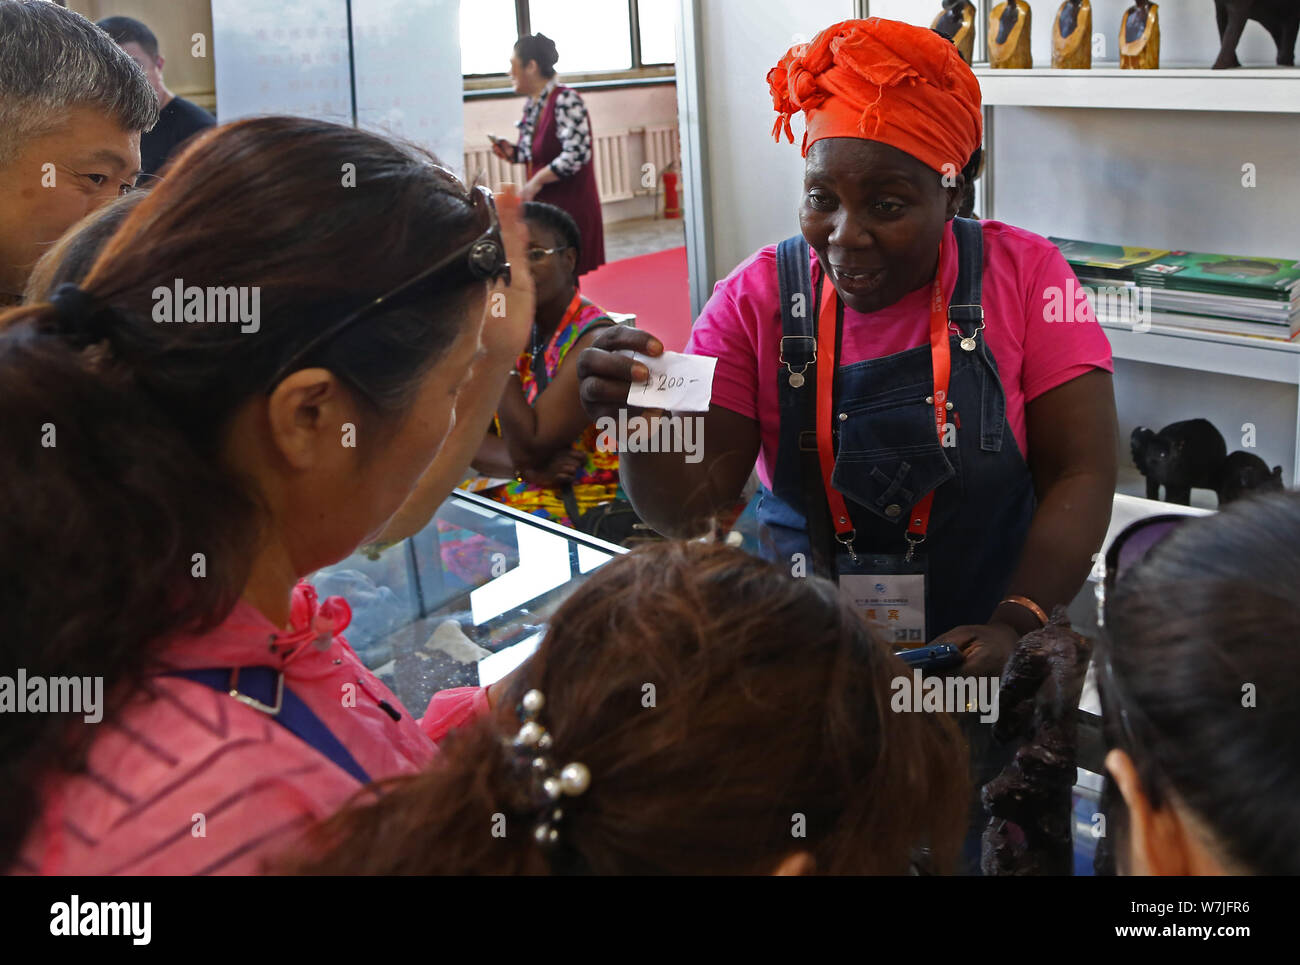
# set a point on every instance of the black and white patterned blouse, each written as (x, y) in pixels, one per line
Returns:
(572, 126)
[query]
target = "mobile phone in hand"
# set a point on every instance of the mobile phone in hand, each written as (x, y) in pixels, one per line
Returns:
(932, 659)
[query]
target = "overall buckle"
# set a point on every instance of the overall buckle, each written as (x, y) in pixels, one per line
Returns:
(805, 338)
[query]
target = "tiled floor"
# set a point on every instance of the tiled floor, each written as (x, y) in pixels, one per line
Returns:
(642, 236)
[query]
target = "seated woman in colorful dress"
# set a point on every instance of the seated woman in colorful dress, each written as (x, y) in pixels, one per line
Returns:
(542, 436)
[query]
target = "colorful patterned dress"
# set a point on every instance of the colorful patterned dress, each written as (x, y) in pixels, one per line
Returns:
(596, 481)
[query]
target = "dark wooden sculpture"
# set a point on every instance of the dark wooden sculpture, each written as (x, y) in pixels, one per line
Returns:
(1181, 457)
(1281, 18)
(957, 23)
(1139, 36)
(1009, 33)
(1243, 473)
(1072, 36)
(1030, 825)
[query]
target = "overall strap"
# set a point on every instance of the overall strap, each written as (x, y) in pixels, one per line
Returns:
(966, 309)
(262, 684)
(797, 477)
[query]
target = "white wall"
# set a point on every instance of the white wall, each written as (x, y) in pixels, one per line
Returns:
(1171, 179)
(755, 183)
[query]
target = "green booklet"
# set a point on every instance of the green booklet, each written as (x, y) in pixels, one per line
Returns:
(1105, 261)
(1276, 279)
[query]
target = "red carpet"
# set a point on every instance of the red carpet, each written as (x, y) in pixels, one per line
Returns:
(653, 287)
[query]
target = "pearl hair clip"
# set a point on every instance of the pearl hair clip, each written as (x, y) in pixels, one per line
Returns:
(548, 783)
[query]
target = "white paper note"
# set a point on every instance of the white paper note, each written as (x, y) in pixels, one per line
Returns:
(680, 383)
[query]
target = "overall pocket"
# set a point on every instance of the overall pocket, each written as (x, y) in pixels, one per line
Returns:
(889, 454)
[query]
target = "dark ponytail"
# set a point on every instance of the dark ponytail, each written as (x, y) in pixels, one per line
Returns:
(120, 523)
(1203, 693)
(539, 48)
(104, 505)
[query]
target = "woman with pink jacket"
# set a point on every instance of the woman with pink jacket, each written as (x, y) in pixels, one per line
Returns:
(266, 361)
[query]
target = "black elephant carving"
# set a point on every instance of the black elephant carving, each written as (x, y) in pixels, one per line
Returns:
(1281, 18)
(1181, 457)
(1192, 455)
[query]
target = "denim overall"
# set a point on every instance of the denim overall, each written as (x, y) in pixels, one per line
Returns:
(888, 455)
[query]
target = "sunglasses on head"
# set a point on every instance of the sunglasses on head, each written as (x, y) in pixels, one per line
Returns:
(484, 258)
(1129, 548)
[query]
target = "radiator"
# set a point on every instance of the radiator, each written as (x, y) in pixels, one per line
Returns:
(619, 158)
(611, 159)
(662, 147)
(482, 166)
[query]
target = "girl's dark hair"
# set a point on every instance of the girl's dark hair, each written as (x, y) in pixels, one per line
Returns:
(1203, 693)
(721, 706)
(540, 48)
(113, 479)
(561, 224)
(73, 254)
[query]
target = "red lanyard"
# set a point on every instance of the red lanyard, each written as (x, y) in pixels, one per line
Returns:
(827, 349)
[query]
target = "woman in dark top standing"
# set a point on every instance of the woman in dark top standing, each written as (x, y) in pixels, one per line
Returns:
(555, 142)
(178, 118)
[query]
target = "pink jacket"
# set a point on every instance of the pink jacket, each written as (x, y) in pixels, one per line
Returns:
(187, 780)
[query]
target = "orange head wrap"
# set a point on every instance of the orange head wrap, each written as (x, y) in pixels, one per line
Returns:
(884, 81)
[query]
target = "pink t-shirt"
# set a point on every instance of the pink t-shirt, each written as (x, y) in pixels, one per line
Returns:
(741, 327)
(187, 780)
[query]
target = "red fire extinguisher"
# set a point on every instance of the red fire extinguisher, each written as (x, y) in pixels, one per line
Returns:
(672, 206)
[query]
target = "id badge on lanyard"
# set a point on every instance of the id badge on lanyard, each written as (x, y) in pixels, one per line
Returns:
(889, 589)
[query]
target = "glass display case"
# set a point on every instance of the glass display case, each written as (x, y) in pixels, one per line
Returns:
(467, 599)
(463, 601)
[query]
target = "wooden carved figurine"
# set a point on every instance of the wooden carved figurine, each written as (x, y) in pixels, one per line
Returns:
(1072, 36)
(1281, 18)
(1139, 36)
(957, 23)
(1009, 25)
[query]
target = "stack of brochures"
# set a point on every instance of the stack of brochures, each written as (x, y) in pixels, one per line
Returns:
(1224, 293)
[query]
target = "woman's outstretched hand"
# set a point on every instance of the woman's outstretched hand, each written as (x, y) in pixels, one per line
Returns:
(604, 376)
(508, 315)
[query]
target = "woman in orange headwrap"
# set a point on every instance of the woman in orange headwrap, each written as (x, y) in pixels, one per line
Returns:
(924, 432)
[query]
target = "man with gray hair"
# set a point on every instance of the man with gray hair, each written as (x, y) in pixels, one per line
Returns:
(72, 108)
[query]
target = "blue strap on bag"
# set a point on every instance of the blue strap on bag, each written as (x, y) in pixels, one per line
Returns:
(260, 684)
